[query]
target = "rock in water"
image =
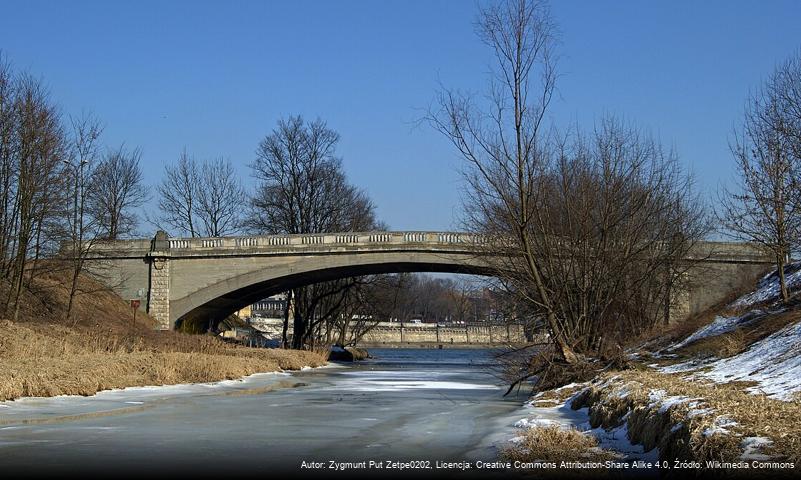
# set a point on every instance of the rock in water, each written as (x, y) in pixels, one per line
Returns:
(347, 354)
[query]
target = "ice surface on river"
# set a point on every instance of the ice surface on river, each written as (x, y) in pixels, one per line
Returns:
(395, 381)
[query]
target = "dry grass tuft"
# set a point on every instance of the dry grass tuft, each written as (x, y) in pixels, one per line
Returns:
(555, 444)
(559, 395)
(606, 409)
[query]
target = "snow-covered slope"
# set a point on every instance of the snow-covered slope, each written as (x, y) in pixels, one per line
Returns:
(720, 326)
(768, 287)
(774, 362)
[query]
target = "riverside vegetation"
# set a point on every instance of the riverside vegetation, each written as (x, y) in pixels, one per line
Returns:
(720, 387)
(100, 348)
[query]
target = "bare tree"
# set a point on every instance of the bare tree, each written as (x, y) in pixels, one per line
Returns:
(80, 165)
(45, 176)
(303, 189)
(32, 146)
(9, 148)
(178, 196)
(765, 207)
(117, 190)
(591, 229)
(205, 199)
(506, 147)
(221, 198)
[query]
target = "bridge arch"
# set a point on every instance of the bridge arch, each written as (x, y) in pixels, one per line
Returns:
(220, 299)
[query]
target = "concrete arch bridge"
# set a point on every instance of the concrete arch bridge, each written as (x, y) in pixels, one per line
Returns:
(190, 278)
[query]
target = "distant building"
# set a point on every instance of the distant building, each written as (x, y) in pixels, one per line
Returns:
(270, 307)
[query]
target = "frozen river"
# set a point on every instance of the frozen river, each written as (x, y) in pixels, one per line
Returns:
(437, 405)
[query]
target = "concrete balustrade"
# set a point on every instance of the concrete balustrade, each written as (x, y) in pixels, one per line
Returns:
(268, 241)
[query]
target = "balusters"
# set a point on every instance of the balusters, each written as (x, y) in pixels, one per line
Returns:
(179, 243)
(211, 242)
(347, 239)
(380, 237)
(332, 239)
(275, 241)
(479, 239)
(414, 237)
(449, 238)
(247, 242)
(312, 239)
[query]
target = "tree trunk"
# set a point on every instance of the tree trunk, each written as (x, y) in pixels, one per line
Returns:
(284, 340)
(782, 279)
(299, 325)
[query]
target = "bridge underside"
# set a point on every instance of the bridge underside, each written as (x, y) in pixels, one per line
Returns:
(224, 305)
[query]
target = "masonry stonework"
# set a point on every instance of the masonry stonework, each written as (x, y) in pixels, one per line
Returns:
(158, 301)
(426, 333)
(417, 333)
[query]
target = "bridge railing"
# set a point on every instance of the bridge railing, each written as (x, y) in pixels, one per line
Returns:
(333, 239)
(716, 251)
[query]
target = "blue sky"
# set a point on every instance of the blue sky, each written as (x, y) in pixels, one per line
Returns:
(215, 76)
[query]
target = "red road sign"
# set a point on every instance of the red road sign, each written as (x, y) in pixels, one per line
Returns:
(135, 303)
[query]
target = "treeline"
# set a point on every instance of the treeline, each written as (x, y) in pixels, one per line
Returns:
(56, 184)
(407, 297)
(62, 190)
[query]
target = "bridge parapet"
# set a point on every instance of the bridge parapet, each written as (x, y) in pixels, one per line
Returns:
(729, 252)
(177, 246)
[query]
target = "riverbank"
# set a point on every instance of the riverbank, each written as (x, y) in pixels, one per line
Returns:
(720, 392)
(100, 348)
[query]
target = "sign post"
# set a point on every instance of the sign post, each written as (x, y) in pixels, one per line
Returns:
(134, 307)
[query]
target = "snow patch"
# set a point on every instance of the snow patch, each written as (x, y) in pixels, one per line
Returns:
(660, 399)
(721, 426)
(699, 411)
(536, 422)
(752, 446)
(669, 402)
(656, 396)
(617, 440)
(688, 366)
(719, 326)
(769, 288)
